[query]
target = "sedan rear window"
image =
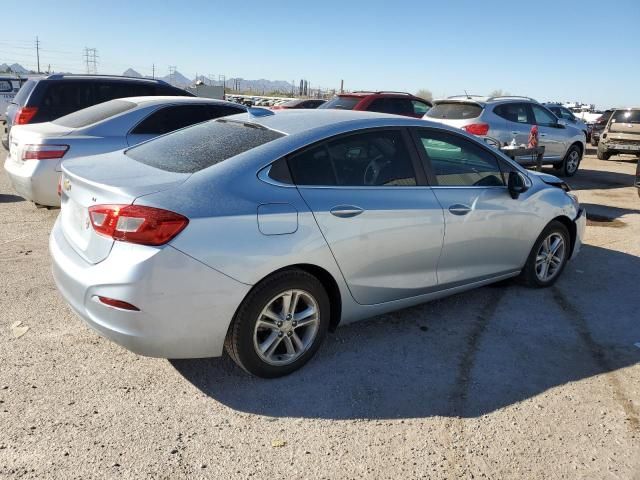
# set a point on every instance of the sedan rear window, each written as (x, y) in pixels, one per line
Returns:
(198, 147)
(626, 116)
(342, 103)
(94, 114)
(454, 110)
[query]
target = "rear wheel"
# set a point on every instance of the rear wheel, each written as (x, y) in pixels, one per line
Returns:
(548, 256)
(594, 142)
(280, 324)
(571, 162)
(603, 154)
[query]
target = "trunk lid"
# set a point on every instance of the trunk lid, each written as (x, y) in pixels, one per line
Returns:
(111, 178)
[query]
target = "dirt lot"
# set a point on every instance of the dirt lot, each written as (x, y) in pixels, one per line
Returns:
(501, 382)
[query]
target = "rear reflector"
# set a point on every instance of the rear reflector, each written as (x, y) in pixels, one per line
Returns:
(112, 302)
(44, 152)
(136, 223)
(24, 115)
(477, 128)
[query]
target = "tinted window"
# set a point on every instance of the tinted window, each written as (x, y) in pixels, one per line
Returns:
(5, 86)
(455, 161)
(61, 98)
(343, 103)
(379, 158)
(543, 117)
(193, 149)
(24, 92)
(95, 113)
(279, 171)
(420, 108)
(172, 91)
(626, 116)
(455, 110)
(168, 119)
(514, 112)
(396, 106)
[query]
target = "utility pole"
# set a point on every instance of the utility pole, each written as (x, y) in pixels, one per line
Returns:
(38, 52)
(91, 60)
(172, 73)
(153, 70)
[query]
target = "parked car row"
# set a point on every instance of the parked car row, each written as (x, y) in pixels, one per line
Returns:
(621, 134)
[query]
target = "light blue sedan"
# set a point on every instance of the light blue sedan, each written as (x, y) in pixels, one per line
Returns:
(261, 232)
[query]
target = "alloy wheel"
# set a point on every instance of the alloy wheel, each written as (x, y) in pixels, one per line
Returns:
(550, 257)
(573, 160)
(287, 327)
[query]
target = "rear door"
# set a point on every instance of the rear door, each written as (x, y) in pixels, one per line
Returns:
(518, 122)
(484, 227)
(382, 222)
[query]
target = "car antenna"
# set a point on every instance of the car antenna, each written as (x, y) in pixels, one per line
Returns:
(468, 97)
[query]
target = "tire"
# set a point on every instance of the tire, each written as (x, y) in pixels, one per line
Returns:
(245, 336)
(603, 154)
(531, 273)
(594, 142)
(571, 162)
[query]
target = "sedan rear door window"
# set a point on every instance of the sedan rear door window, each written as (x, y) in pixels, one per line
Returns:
(371, 159)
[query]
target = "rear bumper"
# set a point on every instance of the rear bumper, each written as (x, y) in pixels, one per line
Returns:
(35, 180)
(581, 225)
(185, 306)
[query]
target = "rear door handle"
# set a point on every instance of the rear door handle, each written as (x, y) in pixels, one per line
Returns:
(346, 211)
(459, 209)
(543, 134)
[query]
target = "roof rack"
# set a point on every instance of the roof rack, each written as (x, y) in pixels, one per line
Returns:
(382, 91)
(511, 96)
(58, 76)
(467, 96)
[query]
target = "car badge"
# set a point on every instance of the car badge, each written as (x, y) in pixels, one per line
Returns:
(66, 184)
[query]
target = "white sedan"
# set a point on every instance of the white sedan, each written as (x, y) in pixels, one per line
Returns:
(36, 151)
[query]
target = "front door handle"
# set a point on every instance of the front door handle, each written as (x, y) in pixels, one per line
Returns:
(459, 209)
(346, 211)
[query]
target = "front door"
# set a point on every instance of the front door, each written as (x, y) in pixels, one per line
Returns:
(382, 224)
(484, 226)
(551, 133)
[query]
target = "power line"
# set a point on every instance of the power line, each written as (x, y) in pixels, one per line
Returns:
(91, 60)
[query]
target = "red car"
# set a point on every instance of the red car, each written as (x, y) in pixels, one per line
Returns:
(398, 103)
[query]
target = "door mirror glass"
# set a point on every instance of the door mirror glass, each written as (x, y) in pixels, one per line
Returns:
(517, 184)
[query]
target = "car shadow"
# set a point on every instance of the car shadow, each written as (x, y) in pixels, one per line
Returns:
(464, 356)
(586, 179)
(8, 198)
(606, 214)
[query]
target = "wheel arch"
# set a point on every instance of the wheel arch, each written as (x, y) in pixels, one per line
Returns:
(581, 148)
(571, 227)
(328, 282)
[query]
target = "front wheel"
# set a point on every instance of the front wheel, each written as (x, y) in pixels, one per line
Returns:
(548, 256)
(603, 154)
(280, 324)
(571, 162)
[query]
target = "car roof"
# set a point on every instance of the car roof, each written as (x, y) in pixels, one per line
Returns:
(291, 122)
(483, 100)
(382, 93)
(121, 78)
(163, 99)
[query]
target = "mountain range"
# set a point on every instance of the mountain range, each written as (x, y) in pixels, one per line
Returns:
(180, 80)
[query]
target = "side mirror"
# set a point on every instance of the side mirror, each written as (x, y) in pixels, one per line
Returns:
(517, 184)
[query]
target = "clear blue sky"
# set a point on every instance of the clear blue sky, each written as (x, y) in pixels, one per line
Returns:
(552, 50)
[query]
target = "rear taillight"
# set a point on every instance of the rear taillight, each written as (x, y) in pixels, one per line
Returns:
(112, 302)
(477, 128)
(136, 223)
(25, 115)
(44, 152)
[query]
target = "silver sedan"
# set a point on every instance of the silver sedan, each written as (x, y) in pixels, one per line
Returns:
(37, 150)
(260, 232)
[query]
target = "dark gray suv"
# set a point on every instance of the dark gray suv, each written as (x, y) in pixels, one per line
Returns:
(48, 98)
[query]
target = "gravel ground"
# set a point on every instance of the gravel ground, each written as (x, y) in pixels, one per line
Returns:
(501, 382)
